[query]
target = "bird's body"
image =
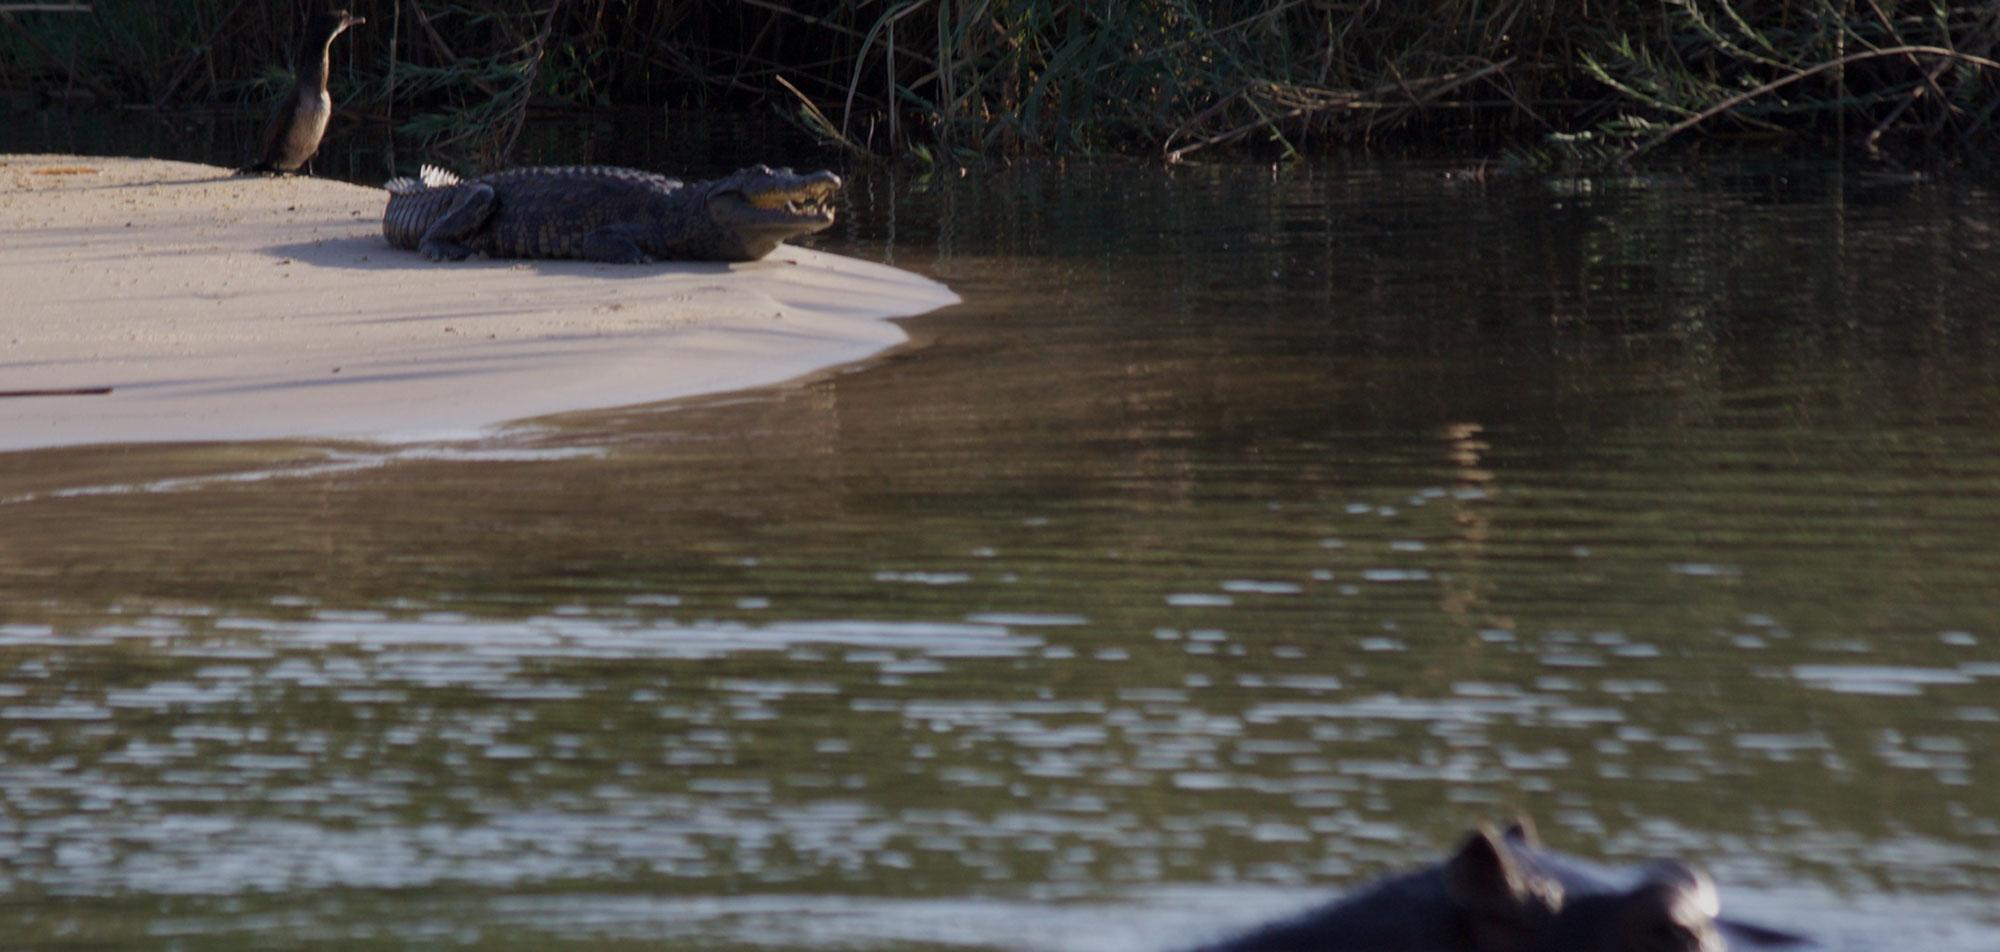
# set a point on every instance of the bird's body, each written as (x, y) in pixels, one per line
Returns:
(292, 134)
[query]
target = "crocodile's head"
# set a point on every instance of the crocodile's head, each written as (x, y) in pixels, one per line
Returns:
(754, 209)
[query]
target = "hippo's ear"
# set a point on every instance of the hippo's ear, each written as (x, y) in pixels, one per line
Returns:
(1484, 877)
(1522, 831)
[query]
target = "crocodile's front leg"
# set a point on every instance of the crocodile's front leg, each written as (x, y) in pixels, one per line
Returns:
(444, 240)
(615, 244)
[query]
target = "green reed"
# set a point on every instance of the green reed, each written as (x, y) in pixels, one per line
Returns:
(955, 80)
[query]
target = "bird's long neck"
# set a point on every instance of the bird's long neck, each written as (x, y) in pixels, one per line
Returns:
(317, 59)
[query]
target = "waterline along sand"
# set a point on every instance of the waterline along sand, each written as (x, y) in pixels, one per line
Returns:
(221, 308)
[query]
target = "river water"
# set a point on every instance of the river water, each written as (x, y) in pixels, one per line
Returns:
(1247, 532)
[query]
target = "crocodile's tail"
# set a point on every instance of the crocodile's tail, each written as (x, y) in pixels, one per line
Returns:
(416, 203)
(429, 176)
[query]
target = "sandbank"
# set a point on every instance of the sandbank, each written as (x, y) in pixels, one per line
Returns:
(223, 308)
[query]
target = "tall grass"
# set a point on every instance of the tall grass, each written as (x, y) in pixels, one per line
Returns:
(953, 80)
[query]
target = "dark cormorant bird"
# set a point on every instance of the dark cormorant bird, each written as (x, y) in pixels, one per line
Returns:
(297, 122)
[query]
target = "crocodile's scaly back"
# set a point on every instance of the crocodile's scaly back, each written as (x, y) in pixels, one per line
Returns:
(599, 213)
(555, 172)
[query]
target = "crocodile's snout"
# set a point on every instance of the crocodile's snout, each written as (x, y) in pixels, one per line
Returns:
(760, 198)
(808, 198)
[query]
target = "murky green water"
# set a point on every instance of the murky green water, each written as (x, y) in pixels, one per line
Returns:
(1246, 533)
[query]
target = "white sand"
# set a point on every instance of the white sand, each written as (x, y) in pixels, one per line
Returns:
(219, 308)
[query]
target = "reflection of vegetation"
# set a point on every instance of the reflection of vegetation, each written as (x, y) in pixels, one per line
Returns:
(947, 79)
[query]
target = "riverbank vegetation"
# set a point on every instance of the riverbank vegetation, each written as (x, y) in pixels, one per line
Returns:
(1550, 81)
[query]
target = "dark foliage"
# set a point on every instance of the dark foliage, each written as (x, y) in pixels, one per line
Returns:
(950, 80)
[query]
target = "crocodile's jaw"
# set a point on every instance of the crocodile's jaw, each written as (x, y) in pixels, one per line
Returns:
(756, 210)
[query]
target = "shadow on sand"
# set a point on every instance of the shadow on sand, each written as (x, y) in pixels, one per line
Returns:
(373, 253)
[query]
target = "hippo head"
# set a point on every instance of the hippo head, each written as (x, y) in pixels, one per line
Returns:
(756, 208)
(1663, 906)
(1503, 893)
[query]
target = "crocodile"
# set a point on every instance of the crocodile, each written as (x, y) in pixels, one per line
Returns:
(605, 213)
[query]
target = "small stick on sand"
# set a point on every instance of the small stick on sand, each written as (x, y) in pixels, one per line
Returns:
(72, 392)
